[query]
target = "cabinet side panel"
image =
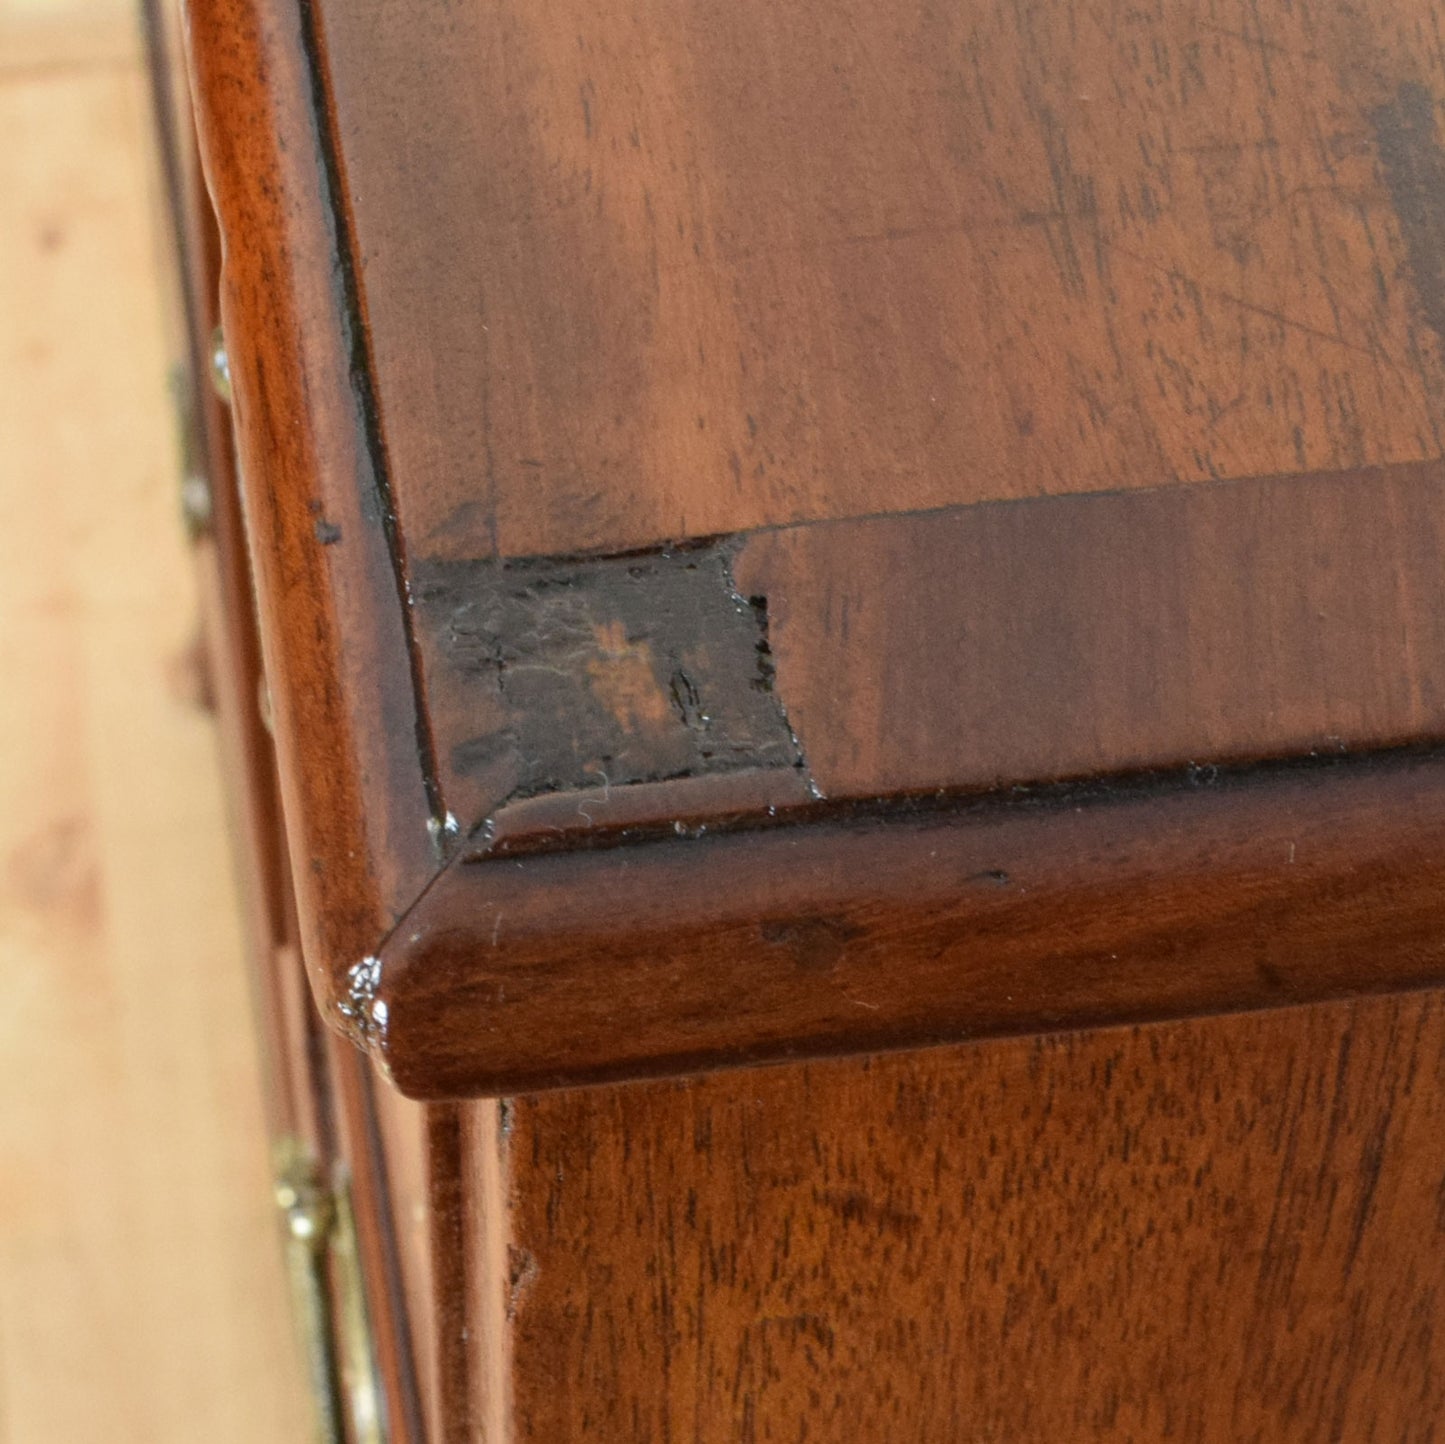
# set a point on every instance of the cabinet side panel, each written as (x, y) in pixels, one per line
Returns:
(1224, 1229)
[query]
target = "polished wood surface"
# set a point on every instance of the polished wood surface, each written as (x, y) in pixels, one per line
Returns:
(439, 672)
(792, 532)
(963, 650)
(677, 271)
(1093, 634)
(1214, 1231)
(324, 1107)
(141, 1293)
(665, 955)
(333, 635)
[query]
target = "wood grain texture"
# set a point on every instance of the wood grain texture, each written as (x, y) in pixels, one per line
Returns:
(229, 640)
(321, 1092)
(426, 269)
(328, 574)
(681, 270)
(1224, 1230)
(672, 954)
(966, 649)
(142, 1298)
(449, 1201)
(1093, 634)
(514, 293)
(554, 677)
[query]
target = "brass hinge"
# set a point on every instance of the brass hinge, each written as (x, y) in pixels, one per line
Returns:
(328, 1298)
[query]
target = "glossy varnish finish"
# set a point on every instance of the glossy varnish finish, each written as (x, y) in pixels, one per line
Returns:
(1091, 634)
(440, 665)
(333, 636)
(1226, 1230)
(321, 1095)
(883, 528)
(667, 954)
(675, 270)
(960, 650)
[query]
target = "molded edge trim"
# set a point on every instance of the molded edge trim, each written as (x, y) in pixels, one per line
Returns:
(1110, 904)
(363, 815)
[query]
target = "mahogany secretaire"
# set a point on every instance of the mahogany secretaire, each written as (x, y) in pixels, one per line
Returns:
(829, 618)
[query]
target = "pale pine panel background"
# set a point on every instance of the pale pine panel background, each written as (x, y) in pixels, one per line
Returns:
(141, 1293)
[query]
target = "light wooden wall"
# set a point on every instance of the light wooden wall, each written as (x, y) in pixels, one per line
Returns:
(141, 1293)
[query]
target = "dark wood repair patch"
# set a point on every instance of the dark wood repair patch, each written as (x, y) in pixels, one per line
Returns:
(600, 672)
(964, 650)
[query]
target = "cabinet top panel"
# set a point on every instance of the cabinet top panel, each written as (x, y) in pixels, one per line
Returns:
(788, 422)
(642, 272)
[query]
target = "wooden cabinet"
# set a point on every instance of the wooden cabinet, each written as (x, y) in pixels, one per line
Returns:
(848, 611)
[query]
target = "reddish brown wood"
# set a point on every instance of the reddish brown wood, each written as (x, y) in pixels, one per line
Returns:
(665, 956)
(326, 562)
(978, 647)
(1211, 1232)
(319, 1092)
(982, 647)
(964, 649)
(511, 283)
(681, 270)
(1094, 634)
(208, 458)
